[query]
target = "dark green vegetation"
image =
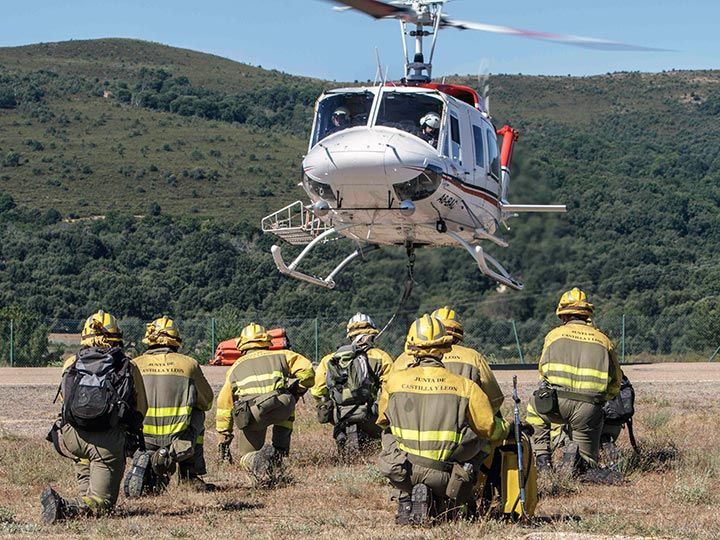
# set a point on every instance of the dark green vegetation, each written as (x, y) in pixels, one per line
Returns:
(183, 152)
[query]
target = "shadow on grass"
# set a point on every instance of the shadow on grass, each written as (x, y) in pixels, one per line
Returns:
(225, 507)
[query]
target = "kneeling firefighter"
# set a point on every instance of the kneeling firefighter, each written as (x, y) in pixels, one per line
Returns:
(347, 384)
(260, 390)
(101, 420)
(423, 410)
(178, 396)
(579, 372)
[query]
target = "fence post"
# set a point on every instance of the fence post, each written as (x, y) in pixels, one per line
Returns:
(623, 339)
(12, 344)
(517, 342)
(714, 354)
(317, 341)
(212, 337)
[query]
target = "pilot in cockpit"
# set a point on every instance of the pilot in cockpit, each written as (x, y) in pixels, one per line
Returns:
(339, 120)
(430, 128)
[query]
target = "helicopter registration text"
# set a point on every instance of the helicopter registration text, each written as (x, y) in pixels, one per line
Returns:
(447, 200)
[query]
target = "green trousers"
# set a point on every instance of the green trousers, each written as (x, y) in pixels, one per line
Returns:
(585, 422)
(403, 474)
(252, 438)
(188, 447)
(100, 468)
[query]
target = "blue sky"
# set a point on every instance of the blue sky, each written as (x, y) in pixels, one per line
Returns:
(306, 37)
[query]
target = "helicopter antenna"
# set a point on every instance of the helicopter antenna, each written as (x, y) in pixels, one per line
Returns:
(378, 71)
(484, 84)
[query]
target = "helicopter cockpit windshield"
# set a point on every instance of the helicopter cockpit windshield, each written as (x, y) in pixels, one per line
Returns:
(416, 113)
(341, 111)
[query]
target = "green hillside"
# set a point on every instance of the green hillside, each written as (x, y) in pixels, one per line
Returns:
(202, 147)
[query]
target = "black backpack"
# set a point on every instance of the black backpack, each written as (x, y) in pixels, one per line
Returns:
(621, 408)
(98, 390)
(350, 379)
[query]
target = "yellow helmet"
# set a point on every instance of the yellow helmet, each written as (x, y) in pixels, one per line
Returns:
(361, 324)
(574, 302)
(162, 331)
(450, 321)
(253, 336)
(101, 330)
(427, 337)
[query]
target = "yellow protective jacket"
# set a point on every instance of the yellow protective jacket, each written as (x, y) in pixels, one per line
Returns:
(380, 362)
(259, 372)
(175, 385)
(140, 397)
(467, 363)
(579, 358)
(426, 407)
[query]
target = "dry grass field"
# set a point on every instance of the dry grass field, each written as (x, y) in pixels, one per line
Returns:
(672, 492)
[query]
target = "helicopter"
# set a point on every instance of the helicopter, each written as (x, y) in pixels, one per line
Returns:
(413, 163)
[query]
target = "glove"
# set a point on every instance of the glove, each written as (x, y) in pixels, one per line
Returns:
(527, 429)
(293, 386)
(224, 448)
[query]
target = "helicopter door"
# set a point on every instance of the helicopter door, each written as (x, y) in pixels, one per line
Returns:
(493, 155)
(455, 148)
(480, 170)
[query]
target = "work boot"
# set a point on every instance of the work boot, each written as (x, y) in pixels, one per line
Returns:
(138, 477)
(404, 511)
(52, 506)
(264, 465)
(352, 443)
(572, 463)
(421, 503)
(543, 463)
(612, 455)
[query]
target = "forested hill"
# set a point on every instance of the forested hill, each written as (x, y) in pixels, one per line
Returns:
(182, 152)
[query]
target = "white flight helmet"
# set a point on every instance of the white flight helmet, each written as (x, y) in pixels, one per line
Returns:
(430, 119)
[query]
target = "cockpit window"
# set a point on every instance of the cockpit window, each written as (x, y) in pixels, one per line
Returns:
(341, 111)
(419, 114)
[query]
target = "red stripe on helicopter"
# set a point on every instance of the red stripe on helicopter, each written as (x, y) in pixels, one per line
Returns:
(472, 190)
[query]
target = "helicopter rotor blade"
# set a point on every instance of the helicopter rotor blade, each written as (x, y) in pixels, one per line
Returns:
(577, 41)
(379, 10)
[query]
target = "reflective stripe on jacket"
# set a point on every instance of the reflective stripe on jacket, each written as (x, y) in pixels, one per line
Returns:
(426, 407)
(380, 362)
(175, 385)
(467, 363)
(577, 357)
(258, 372)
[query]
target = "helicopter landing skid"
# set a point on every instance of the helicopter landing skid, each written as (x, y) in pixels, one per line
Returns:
(327, 282)
(488, 265)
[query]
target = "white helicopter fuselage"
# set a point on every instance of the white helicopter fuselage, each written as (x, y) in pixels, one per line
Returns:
(387, 185)
(374, 176)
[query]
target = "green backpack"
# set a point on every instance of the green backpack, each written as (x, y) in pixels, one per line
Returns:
(350, 379)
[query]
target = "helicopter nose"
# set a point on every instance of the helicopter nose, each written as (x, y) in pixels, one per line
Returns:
(366, 156)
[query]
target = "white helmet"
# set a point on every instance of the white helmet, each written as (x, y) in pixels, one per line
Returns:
(430, 119)
(341, 111)
(361, 324)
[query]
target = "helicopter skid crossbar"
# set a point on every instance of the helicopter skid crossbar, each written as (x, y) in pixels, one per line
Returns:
(488, 265)
(327, 282)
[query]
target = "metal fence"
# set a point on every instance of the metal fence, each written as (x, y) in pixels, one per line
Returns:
(38, 343)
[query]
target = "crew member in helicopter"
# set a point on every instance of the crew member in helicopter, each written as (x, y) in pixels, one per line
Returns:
(339, 120)
(430, 128)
